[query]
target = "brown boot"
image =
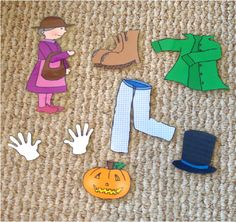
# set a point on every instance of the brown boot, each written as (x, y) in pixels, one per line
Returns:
(127, 56)
(97, 55)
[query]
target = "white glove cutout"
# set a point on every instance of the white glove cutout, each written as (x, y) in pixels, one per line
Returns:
(81, 141)
(24, 147)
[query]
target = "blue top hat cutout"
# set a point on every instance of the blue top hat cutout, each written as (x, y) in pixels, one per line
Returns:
(198, 148)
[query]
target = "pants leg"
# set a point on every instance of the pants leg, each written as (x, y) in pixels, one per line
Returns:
(142, 120)
(49, 98)
(121, 120)
(42, 99)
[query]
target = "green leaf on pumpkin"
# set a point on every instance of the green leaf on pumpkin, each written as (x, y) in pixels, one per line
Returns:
(118, 165)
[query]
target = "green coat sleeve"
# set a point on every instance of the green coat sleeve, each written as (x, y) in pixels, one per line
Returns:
(167, 45)
(208, 55)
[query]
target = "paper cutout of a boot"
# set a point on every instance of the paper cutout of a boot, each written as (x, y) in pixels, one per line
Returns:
(97, 55)
(124, 54)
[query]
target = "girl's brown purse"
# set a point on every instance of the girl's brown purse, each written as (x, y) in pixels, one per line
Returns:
(49, 73)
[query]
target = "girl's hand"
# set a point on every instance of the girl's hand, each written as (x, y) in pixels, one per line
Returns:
(67, 71)
(71, 52)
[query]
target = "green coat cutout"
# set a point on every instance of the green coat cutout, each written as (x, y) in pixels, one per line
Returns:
(196, 66)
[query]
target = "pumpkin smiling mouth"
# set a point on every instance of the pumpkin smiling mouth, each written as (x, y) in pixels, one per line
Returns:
(107, 191)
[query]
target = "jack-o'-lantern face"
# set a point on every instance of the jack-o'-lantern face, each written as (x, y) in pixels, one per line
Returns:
(107, 183)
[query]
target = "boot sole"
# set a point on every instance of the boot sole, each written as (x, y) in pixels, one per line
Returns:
(116, 66)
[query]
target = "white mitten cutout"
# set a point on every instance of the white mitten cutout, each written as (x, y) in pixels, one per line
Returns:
(80, 141)
(25, 148)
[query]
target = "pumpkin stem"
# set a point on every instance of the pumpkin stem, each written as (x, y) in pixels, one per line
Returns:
(110, 164)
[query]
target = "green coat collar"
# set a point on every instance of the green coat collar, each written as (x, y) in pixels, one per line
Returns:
(187, 35)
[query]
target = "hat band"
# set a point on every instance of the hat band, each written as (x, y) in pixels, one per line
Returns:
(195, 166)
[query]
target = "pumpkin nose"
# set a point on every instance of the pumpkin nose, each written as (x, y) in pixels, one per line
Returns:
(106, 184)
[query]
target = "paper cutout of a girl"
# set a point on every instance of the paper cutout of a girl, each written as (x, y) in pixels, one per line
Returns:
(51, 28)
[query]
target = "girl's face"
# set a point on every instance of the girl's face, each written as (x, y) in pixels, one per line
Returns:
(55, 33)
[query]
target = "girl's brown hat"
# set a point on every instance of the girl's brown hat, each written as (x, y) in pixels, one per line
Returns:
(52, 22)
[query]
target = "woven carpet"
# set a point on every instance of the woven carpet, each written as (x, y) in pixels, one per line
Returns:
(50, 187)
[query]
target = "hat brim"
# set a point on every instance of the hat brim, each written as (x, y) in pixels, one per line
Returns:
(180, 165)
(38, 27)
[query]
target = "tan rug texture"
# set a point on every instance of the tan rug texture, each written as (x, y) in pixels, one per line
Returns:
(50, 187)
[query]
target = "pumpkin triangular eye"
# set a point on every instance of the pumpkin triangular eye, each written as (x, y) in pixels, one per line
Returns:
(98, 176)
(117, 178)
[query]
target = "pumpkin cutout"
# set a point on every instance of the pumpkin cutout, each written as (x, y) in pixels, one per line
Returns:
(107, 183)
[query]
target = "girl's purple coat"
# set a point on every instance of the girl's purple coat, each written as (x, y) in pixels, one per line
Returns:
(47, 46)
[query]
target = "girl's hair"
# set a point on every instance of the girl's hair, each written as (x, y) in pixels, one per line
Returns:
(40, 31)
